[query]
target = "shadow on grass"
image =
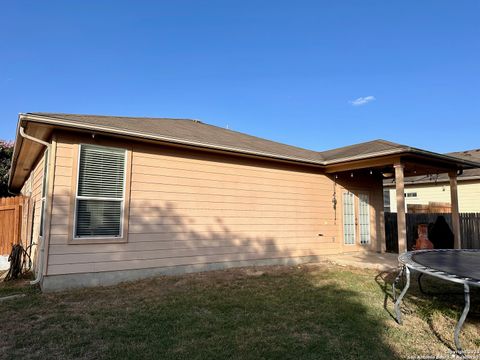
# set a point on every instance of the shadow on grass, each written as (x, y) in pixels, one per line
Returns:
(249, 313)
(385, 280)
(197, 220)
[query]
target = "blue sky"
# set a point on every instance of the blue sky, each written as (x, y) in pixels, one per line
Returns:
(316, 74)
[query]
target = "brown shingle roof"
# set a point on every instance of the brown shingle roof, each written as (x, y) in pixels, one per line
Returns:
(194, 131)
(470, 155)
(196, 134)
(366, 148)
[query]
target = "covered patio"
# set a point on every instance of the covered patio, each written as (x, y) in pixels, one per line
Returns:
(399, 162)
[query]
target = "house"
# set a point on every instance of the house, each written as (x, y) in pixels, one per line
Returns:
(435, 188)
(116, 198)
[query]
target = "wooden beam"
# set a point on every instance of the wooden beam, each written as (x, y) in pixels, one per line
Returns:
(360, 164)
(401, 221)
(455, 212)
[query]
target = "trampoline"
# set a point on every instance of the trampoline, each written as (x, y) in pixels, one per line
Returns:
(458, 266)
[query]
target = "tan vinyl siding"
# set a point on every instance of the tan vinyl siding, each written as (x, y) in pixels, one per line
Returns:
(190, 208)
(62, 207)
(32, 190)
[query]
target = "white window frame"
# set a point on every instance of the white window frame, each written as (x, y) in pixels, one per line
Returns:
(77, 197)
(366, 217)
(350, 193)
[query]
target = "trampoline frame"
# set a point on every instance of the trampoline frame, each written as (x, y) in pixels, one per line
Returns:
(408, 265)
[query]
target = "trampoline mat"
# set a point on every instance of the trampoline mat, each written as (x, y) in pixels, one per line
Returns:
(463, 264)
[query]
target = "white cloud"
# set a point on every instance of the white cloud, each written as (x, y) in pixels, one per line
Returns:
(362, 100)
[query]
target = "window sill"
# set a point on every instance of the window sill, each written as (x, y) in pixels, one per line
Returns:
(106, 240)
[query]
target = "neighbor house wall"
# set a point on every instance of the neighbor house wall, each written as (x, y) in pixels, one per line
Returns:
(191, 211)
(468, 195)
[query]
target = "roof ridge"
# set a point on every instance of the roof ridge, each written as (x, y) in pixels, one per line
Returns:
(390, 143)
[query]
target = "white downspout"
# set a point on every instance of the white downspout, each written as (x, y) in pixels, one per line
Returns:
(42, 245)
(29, 137)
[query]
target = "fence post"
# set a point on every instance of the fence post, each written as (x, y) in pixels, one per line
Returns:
(455, 212)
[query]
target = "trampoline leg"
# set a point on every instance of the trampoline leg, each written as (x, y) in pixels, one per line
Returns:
(402, 294)
(460, 322)
(394, 285)
(419, 280)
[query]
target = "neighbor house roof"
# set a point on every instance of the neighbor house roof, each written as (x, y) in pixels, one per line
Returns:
(470, 155)
(194, 133)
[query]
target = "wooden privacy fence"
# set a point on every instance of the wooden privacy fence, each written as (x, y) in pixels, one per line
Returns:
(469, 228)
(10, 222)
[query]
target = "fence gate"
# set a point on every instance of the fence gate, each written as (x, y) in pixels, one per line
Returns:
(10, 223)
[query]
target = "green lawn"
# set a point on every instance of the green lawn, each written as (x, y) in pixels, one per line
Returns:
(303, 312)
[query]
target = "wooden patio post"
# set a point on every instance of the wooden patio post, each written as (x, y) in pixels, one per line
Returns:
(455, 213)
(401, 221)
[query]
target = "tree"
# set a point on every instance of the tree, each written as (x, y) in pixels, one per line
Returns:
(6, 152)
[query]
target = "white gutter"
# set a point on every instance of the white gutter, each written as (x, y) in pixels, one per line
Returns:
(42, 245)
(26, 136)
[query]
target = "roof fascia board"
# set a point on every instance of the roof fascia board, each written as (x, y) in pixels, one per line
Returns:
(364, 157)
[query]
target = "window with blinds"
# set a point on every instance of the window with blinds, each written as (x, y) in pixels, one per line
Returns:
(100, 192)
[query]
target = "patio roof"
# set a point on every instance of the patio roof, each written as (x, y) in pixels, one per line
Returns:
(466, 175)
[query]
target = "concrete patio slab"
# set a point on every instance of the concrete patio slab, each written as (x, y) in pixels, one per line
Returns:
(367, 260)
